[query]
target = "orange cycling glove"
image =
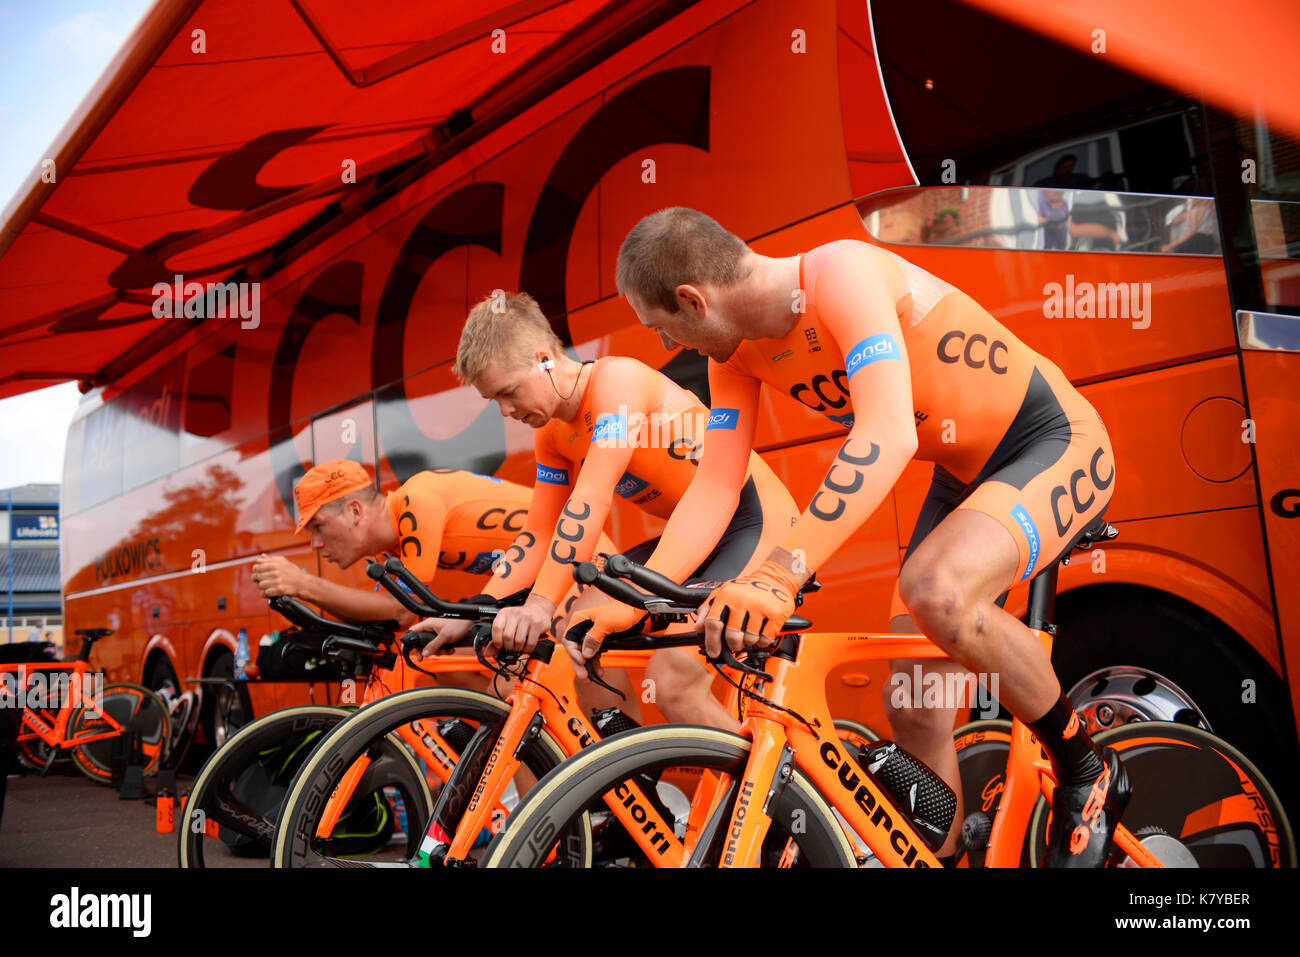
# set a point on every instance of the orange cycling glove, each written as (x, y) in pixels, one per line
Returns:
(757, 604)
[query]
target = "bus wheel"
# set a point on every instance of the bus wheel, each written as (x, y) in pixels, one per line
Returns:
(1148, 655)
(226, 708)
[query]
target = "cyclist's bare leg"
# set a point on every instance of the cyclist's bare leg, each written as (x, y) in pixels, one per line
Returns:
(683, 690)
(922, 727)
(951, 583)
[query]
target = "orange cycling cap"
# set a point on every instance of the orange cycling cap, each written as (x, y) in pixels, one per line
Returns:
(325, 483)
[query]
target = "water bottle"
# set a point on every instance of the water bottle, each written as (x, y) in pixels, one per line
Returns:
(241, 655)
(915, 790)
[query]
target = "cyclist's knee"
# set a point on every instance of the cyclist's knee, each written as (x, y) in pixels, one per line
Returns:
(915, 726)
(940, 604)
(679, 686)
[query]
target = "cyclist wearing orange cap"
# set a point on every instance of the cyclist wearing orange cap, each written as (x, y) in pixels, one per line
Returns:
(606, 428)
(909, 366)
(437, 519)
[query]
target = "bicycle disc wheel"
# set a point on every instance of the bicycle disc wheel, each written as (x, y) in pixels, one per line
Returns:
(1198, 789)
(296, 841)
(580, 783)
(135, 708)
(241, 787)
(33, 752)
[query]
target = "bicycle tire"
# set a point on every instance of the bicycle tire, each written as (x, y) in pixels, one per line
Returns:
(1221, 807)
(34, 752)
(316, 780)
(213, 788)
(128, 704)
(551, 806)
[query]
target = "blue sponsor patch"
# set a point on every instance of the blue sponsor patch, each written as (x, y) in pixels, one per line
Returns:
(552, 476)
(482, 563)
(610, 428)
(869, 350)
(723, 419)
(844, 420)
(400, 584)
(1031, 533)
(630, 485)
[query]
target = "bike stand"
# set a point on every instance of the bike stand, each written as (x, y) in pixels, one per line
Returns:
(132, 788)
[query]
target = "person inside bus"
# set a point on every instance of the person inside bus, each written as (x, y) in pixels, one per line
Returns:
(914, 368)
(604, 428)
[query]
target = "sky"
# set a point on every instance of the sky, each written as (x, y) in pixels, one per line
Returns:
(51, 54)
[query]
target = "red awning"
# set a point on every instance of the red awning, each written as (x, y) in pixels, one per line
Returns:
(203, 153)
(1241, 56)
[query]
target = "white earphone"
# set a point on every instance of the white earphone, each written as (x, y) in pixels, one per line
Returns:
(546, 365)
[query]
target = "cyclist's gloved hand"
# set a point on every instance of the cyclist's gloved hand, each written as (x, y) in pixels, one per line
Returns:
(606, 618)
(750, 609)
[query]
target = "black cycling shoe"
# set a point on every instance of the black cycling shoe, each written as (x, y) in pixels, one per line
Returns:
(1084, 817)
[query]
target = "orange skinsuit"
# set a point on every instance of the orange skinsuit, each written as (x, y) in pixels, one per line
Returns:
(458, 520)
(1009, 436)
(639, 435)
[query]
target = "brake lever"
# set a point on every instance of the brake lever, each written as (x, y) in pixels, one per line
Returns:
(728, 660)
(576, 634)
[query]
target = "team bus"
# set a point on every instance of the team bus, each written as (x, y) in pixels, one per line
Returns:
(287, 261)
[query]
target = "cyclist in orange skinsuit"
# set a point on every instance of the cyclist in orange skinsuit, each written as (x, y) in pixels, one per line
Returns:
(440, 519)
(444, 518)
(614, 427)
(909, 366)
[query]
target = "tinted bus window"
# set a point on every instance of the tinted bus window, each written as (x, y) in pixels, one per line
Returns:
(984, 101)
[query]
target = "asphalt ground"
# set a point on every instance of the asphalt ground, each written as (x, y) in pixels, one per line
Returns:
(67, 820)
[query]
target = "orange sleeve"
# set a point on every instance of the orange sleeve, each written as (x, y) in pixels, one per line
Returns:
(702, 515)
(623, 390)
(519, 565)
(853, 300)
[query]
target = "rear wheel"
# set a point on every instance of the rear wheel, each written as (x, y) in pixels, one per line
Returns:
(137, 710)
(238, 795)
(1198, 789)
(804, 828)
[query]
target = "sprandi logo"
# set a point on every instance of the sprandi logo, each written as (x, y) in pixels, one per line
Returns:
(871, 350)
(636, 430)
(42, 688)
(1105, 300)
(213, 300)
(923, 689)
(552, 476)
(78, 910)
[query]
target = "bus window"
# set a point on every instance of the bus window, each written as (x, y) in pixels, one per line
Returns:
(1028, 218)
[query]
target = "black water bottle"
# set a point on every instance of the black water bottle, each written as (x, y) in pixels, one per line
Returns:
(917, 791)
(610, 721)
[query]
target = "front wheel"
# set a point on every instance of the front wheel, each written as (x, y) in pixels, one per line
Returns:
(134, 708)
(804, 828)
(1197, 788)
(299, 837)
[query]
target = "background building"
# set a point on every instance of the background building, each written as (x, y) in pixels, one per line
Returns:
(29, 564)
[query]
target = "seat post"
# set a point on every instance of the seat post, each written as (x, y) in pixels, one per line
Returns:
(1042, 599)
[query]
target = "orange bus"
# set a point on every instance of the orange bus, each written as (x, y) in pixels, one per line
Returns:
(352, 200)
